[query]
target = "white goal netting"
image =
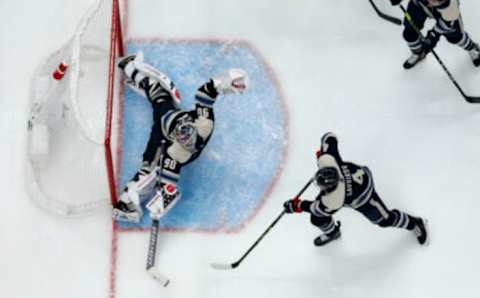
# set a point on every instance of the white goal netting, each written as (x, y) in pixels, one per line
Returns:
(69, 169)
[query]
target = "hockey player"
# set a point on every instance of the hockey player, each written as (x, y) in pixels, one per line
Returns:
(184, 134)
(448, 22)
(345, 184)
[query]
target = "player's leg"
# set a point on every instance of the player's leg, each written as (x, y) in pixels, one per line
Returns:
(413, 39)
(148, 81)
(166, 194)
(330, 229)
(376, 211)
(143, 182)
(461, 38)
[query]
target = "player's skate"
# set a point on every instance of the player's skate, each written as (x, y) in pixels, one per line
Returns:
(475, 55)
(127, 65)
(163, 200)
(414, 59)
(327, 238)
(421, 231)
(122, 63)
(126, 210)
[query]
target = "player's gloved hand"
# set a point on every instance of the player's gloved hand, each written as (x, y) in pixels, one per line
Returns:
(430, 40)
(293, 205)
(233, 81)
(395, 2)
(163, 200)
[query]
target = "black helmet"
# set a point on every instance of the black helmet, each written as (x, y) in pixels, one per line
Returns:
(327, 178)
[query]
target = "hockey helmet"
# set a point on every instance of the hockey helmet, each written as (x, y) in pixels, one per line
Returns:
(185, 134)
(327, 178)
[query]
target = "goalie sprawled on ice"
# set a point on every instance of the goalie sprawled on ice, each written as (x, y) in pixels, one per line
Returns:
(183, 133)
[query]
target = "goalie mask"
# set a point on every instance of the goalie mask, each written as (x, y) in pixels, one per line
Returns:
(327, 178)
(185, 133)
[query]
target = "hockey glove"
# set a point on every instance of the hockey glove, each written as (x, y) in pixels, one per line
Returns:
(430, 41)
(292, 206)
(395, 2)
(234, 81)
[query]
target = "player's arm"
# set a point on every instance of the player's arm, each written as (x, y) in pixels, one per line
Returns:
(205, 98)
(233, 81)
(316, 207)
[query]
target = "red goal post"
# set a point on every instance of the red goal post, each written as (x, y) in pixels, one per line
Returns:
(74, 118)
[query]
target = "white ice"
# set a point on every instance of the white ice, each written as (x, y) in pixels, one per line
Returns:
(340, 70)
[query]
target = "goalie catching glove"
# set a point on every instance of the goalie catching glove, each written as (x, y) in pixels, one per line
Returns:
(233, 81)
(163, 200)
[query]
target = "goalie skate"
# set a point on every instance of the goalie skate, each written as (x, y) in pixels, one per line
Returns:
(126, 212)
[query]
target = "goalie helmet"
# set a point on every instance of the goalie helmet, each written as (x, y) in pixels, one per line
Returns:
(185, 133)
(327, 178)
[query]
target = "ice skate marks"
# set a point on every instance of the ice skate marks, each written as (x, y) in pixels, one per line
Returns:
(228, 183)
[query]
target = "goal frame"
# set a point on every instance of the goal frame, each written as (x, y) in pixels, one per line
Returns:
(116, 48)
(57, 106)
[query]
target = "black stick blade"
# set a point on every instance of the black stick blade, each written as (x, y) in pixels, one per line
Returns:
(472, 99)
(384, 16)
(223, 266)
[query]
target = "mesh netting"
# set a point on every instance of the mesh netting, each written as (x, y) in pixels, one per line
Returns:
(66, 153)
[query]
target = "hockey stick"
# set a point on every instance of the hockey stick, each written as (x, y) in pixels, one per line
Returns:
(234, 265)
(384, 16)
(470, 99)
(152, 254)
(152, 245)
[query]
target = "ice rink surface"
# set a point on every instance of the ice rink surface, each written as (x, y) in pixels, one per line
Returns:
(339, 67)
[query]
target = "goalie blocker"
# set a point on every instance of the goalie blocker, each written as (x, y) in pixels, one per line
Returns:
(185, 133)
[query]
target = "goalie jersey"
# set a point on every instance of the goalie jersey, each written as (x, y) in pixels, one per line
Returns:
(185, 133)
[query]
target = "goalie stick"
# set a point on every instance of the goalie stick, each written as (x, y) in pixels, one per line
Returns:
(152, 244)
(470, 99)
(384, 16)
(223, 266)
(152, 254)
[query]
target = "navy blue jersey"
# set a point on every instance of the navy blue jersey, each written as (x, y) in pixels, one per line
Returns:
(167, 118)
(355, 185)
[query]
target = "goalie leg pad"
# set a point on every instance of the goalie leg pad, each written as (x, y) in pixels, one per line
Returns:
(148, 81)
(142, 184)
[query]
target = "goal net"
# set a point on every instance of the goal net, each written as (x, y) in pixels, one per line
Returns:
(74, 115)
